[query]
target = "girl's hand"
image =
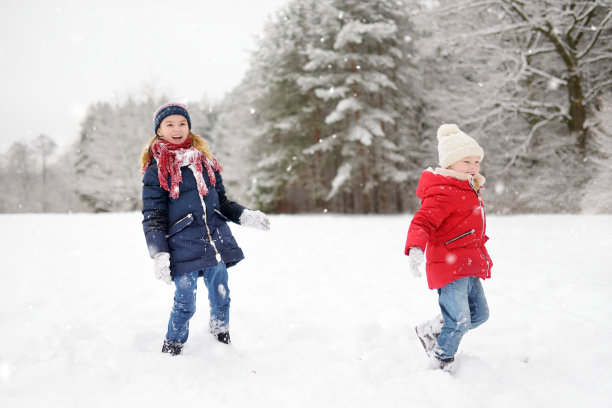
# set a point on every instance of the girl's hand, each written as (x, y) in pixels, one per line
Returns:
(255, 219)
(161, 267)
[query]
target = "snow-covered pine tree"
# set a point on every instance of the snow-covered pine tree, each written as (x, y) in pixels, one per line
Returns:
(283, 177)
(335, 112)
(372, 122)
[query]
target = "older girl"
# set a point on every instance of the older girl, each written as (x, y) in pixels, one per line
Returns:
(186, 211)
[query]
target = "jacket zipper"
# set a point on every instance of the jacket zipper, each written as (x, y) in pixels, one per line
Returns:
(217, 254)
(486, 260)
(461, 236)
(181, 220)
(212, 243)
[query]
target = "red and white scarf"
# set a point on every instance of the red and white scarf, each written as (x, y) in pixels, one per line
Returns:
(171, 157)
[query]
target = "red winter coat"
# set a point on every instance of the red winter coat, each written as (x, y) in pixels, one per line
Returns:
(450, 227)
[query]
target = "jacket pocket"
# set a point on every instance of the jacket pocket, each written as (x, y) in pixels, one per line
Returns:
(461, 238)
(180, 225)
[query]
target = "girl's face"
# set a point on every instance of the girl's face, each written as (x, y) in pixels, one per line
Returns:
(469, 164)
(174, 129)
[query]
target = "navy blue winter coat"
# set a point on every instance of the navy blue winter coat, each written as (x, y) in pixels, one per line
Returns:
(178, 226)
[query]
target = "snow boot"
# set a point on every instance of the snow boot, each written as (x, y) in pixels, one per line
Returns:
(447, 365)
(428, 333)
(224, 337)
(174, 349)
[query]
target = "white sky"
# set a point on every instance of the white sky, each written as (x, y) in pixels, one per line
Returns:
(59, 56)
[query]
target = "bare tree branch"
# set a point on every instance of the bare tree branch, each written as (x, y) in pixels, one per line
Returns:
(602, 25)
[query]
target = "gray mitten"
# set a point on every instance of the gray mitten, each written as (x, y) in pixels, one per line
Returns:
(255, 219)
(161, 267)
(415, 259)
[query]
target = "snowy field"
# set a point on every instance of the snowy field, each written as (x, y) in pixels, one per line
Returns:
(323, 310)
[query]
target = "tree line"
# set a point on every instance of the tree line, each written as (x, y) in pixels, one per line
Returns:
(339, 108)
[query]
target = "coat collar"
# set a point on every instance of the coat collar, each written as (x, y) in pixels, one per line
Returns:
(479, 179)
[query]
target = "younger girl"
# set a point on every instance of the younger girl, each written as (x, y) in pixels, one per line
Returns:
(185, 213)
(450, 227)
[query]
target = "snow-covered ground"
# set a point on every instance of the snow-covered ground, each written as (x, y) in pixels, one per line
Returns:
(323, 310)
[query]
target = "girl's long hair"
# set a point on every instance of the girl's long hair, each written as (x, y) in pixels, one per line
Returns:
(198, 143)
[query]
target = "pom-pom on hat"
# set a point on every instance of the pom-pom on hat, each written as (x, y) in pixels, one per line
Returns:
(170, 109)
(454, 145)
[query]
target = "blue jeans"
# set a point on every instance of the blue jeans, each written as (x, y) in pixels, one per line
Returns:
(464, 307)
(184, 307)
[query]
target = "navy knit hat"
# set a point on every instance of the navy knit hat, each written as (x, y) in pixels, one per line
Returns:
(170, 109)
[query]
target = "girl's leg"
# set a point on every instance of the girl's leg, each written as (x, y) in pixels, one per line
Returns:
(453, 300)
(218, 295)
(479, 310)
(184, 307)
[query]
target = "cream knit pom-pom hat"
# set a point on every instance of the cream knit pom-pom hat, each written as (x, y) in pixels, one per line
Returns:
(454, 145)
